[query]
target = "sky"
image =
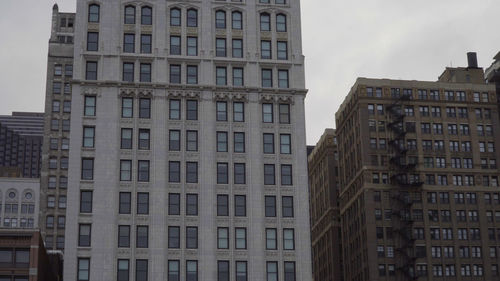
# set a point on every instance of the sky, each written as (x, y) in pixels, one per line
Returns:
(342, 40)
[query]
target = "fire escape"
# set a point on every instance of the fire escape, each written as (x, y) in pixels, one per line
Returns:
(403, 182)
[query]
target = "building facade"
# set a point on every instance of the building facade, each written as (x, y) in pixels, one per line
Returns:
(187, 149)
(19, 202)
(54, 176)
(325, 212)
(419, 180)
(21, 137)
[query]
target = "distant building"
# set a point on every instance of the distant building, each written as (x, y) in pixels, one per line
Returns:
(325, 212)
(21, 137)
(418, 171)
(19, 202)
(23, 257)
(492, 74)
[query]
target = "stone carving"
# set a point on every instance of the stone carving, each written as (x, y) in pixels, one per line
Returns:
(183, 94)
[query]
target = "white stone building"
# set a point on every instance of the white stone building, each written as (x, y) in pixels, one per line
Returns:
(19, 202)
(187, 149)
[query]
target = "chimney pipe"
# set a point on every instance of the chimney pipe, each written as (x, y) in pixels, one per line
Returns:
(472, 59)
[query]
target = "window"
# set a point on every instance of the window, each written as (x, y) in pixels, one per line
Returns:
(222, 238)
(191, 237)
(271, 239)
(89, 106)
(141, 236)
(268, 145)
(123, 236)
(221, 75)
(269, 178)
(174, 237)
(174, 171)
(240, 238)
(175, 109)
(67, 107)
(174, 140)
(56, 88)
(173, 270)
(272, 271)
(84, 235)
(267, 113)
(124, 204)
(142, 203)
(123, 270)
(239, 173)
(49, 223)
(192, 46)
(282, 50)
(175, 17)
(287, 206)
(288, 239)
(286, 174)
(265, 22)
(146, 15)
(146, 43)
(241, 271)
(175, 74)
(222, 173)
(125, 170)
(127, 107)
(192, 110)
(83, 269)
(129, 15)
(86, 202)
(222, 141)
(267, 78)
(93, 13)
(285, 143)
(236, 20)
(191, 271)
(238, 77)
(192, 204)
(143, 171)
(240, 209)
(128, 43)
(175, 45)
(237, 48)
(221, 111)
(265, 49)
(91, 70)
(220, 19)
(145, 73)
(174, 204)
(281, 23)
(141, 270)
(222, 205)
(192, 140)
(92, 41)
(88, 136)
(238, 112)
(87, 169)
(239, 142)
(144, 137)
(126, 138)
(192, 18)
(270, 206)
(220, 50)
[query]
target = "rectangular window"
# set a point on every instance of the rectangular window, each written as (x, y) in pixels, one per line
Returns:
(238, 77)
(175, 45)
(220, 50)
(238, 112)
(267, 78)
(240, 238)
(222, 144)
(287, 206)
(142, 203)
(145, 73)
(174, 237)
(267, 112)
(87, 169)
(191, 237)
(222, 238)
(141, 270)
(282, 50)
(221, 111)
(191, 270)
(128, 43)
(192, 140)
(127, 107)
(241, 271)
(173, 270)
(126, 138)
(239, 142)
(192, 204)
(222, 270)
(174, 140)
(270, 206)
(271, 239)
(288, 239)
(239, 173)
(88, 136)
(123, 236)
(222, 205)
(269, 178)
(265, 49)
(91, 70)
(143, 171)
(89, 106)
(84, 235)
(286, 175)
(174, 204)
(144, 137)
(125, 203)
(240, 208)
(92, 41)
(237, 48)
(222, 173)
(146, 42)
(192, 110)
(272, 271)
(192, 46)
(175, 74)
(285, 146)
(86, 202)
(141, 236)
(83, 269)
(192, 74)
(268, 143)
(283, 78)
(289, 271)
(221, 76)
(123, 270)
(125, 170)
(174, 171)
(174, 109)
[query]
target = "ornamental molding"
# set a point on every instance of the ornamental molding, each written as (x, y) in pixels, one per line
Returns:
(128, 92)
(91, 91)
(183, 94)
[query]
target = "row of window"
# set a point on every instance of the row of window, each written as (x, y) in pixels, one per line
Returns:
(428, 95)
(55, 125)
(23, 222)
(435, 111)
(439, 270)
(175, 76)
(68, 70)
(52, 182)
(51, 201)
(191, 270)
(50, 223)
(12, 208)
(56, 88)
(431, 179)
(56, 106)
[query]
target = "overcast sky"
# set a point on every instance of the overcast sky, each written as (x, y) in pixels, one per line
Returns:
(342, 40)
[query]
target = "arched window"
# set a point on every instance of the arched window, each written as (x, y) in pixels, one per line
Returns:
(237, 22)
(146, 15)
(280, 23)
(220, 19)
(93, 13)
(265, 22)
(175, 17)
(192, 18)
(129, 15)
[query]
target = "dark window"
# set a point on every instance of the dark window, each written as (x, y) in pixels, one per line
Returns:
(280, 23)
(192, 110)
(175, 45)
(287, 206)
(191, 271)
(220, 19)
(88, 136)
(125, 170)
(127, 107)
(237, 48)
(92, 41)
(129, 15)
(175, 74)
(174, 237)
(93, 13)
(282, 50)
(288, 239)
(239, 173)
(265, 49)
(175, 109)
(146, 15)
(87, 168)
(124, 204)
(191, 172)
(174, 204)
(174, 171)
(222, 270)
(128, 43)
(144, 108)
(267, 78)
(126, 138)
(239, 142)
(221, 111)
(284, 113)
(175, 17)
(192, 18)
(192, 46)
(240, 206)
(222, 173)
(270, 206)
(141, 236)
(141, 270)
(237, 22)
(123, 270)
(123, 236)
(146, 42)
(173, 270)
(174, 140)
(192, 140)
(221, 75)
(86, 202)
(238, 76)
(222, 145)
(91, 70)
(265, 22)
(84, 235)
(241, 271)
(128, 71)
(286, 174)
(145, 72)
(192, 74)
(142, 203)
(222, 238)
(83, 269)
(271, 239)
(283, 78)
(143, 171)
(222, 205)
(238, 112)
(289, 271)
(191, 237)
(272, 270)
(268, 143)
(220, 50)
(144, 137)
(192, 204)
(269, 178)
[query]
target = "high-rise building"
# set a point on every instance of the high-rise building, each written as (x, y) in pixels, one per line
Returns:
(325, 212)
(187, 148)
(418, 174)
(21, 137)
(492, 73)
(55, 150)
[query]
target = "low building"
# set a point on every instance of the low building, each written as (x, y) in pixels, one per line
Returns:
(23, 257)
(19, 202)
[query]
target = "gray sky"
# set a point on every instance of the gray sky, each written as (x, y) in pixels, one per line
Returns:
(342, 40)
